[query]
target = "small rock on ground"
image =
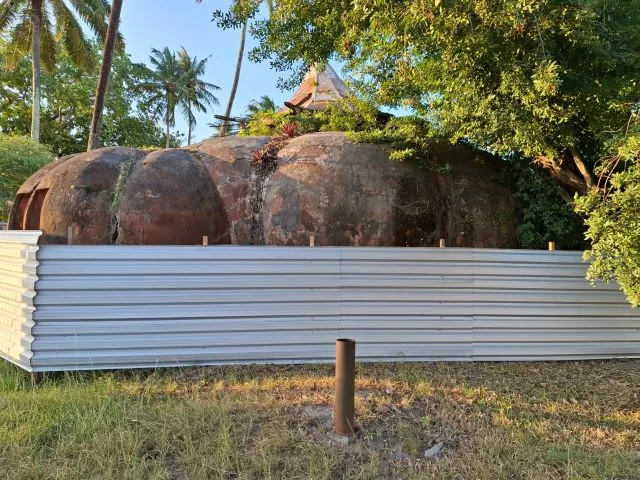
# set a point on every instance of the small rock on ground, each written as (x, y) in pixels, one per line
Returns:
(434, 451)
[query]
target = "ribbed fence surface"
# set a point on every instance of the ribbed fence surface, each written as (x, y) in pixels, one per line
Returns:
(116, 307)
(18, 266)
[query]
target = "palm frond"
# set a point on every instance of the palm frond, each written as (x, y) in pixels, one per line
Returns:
(48, 45)
(10, 10)
(19, 43)
(70, 33)
(94, 13)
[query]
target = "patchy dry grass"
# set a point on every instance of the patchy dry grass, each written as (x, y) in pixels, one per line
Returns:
(497, 421)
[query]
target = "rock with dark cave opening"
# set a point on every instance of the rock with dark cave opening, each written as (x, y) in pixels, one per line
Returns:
(320, 184)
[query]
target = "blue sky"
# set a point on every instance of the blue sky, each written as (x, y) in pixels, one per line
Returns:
(148, 24)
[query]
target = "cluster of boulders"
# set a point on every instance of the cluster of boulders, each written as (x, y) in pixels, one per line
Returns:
(322, 184)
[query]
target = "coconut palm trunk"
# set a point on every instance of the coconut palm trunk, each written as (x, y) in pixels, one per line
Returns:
(190, 122)
(168, 134)
(36, 26)
(105, 71)
(236, 80)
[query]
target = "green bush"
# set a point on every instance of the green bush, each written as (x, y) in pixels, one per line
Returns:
(348, 115)
(544, 215)
(20, 157)
(613, 223)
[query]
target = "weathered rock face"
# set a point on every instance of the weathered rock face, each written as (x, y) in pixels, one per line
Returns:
(322, 185)
(352, 194)
(228, 161)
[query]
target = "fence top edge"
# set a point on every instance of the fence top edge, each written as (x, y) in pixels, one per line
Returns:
(30, 237)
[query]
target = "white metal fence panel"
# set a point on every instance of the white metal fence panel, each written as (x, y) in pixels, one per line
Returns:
(117, 307)
(18, 266)
(114, 307)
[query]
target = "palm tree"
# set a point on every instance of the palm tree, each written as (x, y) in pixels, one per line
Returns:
(36, 25)
(196, 94)
(265, 104)
(166, 85)
(236, 79)
(105, 71)
(243, 11)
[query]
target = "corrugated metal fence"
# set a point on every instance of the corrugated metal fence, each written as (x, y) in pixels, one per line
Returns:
(18, 266)
(102, 307)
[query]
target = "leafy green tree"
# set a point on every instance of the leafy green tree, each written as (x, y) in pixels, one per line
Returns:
(40, 27)
(130, 116)
(265, 104)
(20, 157)
(613, 217)
(549, 79)
(196, 94)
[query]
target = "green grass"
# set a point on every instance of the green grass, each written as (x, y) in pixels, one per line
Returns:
(574, 420)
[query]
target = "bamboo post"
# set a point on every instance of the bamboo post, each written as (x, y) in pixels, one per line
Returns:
(443, 243)
(70, 235)
(552, 246)
(345, 387)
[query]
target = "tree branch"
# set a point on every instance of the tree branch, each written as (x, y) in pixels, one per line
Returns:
(582, 168)
(564, 175)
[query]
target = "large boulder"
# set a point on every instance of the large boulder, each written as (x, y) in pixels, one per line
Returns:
(320, 184)
(352, 194)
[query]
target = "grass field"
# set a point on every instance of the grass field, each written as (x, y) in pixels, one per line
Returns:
(497, 421)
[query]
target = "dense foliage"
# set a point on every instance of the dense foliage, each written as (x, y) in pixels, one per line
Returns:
(545, 213)
(44, 28)
(614, 219)
(20, 157)
(130, 116)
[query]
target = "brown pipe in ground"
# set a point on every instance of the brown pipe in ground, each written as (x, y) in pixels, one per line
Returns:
(345, 386)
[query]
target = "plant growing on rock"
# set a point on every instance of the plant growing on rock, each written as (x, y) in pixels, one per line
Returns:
(290, 130)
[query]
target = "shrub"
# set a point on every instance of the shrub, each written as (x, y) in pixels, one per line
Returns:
(545, 215)
(20, 157)
(613, 222)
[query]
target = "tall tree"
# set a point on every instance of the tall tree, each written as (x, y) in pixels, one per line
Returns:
(239, 16)
(236, 79)
(166, 85)
(196, 94)
(105, 72)
(40, 27)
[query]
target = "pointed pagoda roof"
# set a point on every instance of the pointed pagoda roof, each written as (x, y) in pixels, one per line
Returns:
(318, 89)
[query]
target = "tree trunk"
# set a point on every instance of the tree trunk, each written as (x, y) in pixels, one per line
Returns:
(168, 144)
(36, 27)
(105, 71)
(236, 80)
(190, 124)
